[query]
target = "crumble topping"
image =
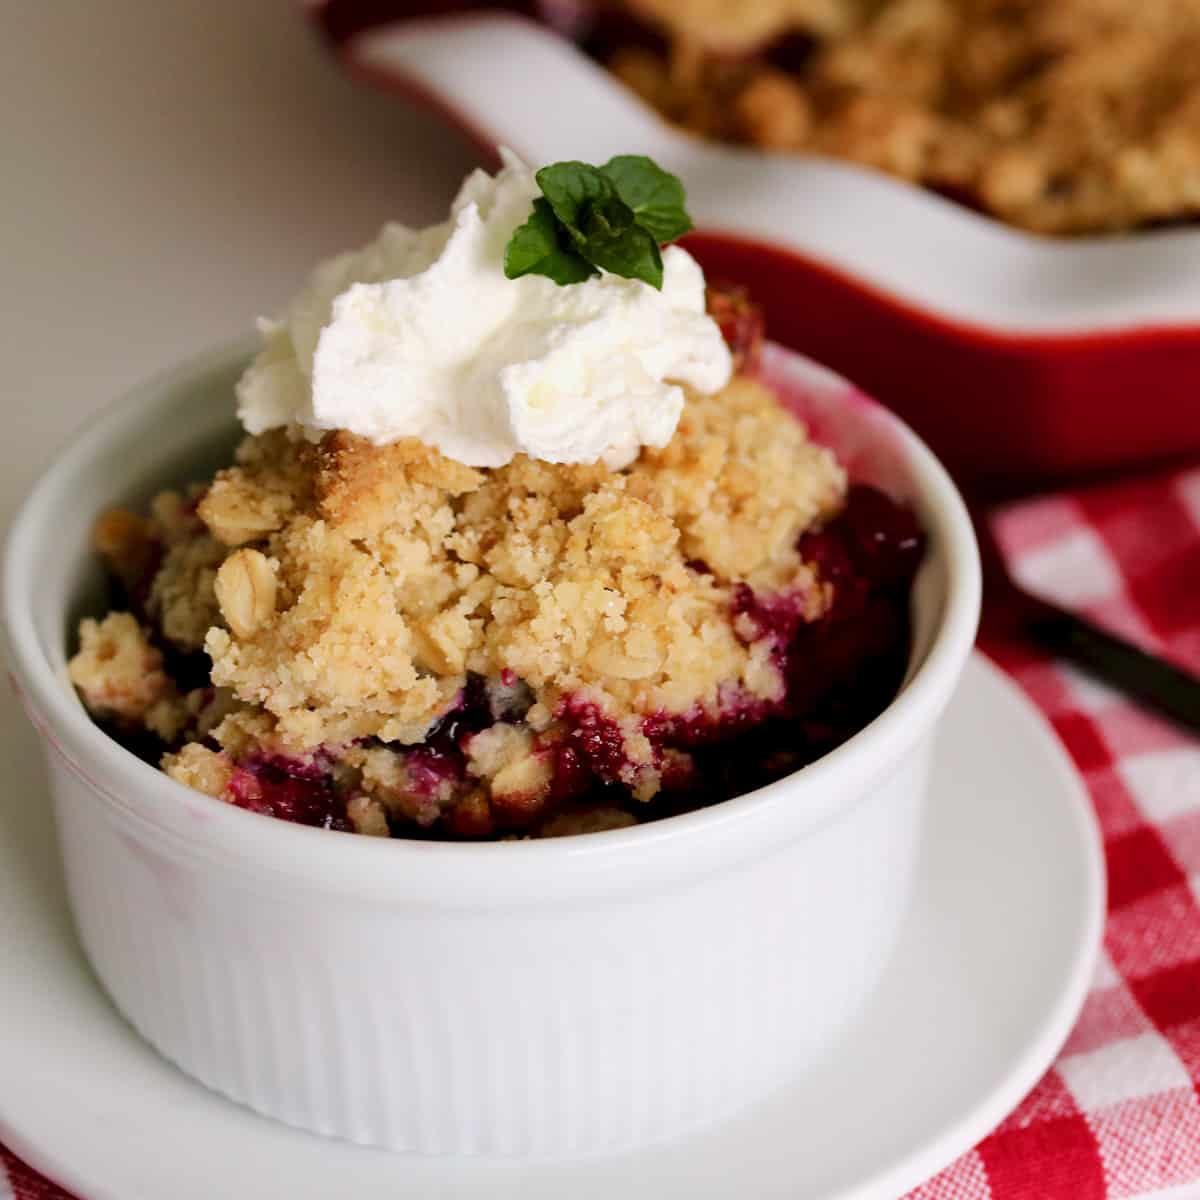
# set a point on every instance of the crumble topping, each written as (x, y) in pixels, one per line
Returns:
(393, 640)
(118, 672)
(394, 572)
(195, 766)
(181, 599)
(742, 25)
(1068, 117)
(592, 820)
(381, 639)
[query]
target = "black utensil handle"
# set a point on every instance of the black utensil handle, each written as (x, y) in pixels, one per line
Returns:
(1157, 684)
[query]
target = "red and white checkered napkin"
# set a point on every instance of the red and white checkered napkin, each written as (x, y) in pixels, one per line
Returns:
(1119, 1113)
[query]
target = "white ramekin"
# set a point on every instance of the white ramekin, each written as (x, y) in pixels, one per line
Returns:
(543, 998)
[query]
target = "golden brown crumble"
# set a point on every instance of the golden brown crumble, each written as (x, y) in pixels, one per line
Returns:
(393, 572)
(127, 542)
(592, 820)
(1067, 117)
(368, 816)
(386, 777)
(195, 766)
(346, 593)
(744, 25)
(503, 755)
(191, 716)
(245, 591)
(118, 672)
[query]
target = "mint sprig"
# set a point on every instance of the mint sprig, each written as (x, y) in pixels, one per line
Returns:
(541, 247)
(609, 218)
(656, 196)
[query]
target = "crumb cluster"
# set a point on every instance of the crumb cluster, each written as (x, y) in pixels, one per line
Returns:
(1068, 117)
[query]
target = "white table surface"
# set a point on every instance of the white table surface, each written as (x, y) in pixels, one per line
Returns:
(172, 168)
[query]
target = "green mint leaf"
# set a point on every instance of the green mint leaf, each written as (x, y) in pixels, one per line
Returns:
(573, 188)
(609, 218)
(625, 249)
(540, 247)
(605, 221)
(656, 196)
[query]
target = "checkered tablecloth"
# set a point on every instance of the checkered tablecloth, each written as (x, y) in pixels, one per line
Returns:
(1118, 1114)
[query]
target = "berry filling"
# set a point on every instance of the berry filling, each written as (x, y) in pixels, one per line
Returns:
(291, 789)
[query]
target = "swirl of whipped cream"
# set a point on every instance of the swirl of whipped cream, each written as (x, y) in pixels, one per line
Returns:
(419, 334)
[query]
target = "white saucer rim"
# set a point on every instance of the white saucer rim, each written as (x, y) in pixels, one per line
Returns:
(910, 1167)
(921, 1165)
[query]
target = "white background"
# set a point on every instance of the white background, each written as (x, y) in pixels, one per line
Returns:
(171, 169)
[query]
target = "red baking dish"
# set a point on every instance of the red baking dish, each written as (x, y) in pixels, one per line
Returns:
(1023, 360)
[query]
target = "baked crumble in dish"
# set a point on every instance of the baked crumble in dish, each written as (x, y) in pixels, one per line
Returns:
(380, 639)
(1071, 117)
(555, 562)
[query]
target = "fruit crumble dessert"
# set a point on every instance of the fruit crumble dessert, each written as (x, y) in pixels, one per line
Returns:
(510, 620)
(1068, 117)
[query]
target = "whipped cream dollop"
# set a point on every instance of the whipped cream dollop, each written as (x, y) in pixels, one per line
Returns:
(420, 335)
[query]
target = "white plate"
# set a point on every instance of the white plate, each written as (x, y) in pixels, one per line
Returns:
(991, 971)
